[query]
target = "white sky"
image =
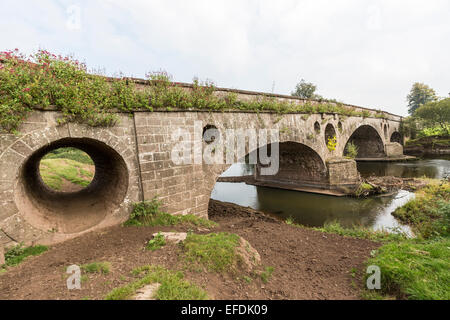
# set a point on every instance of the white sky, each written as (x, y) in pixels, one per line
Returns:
(367, 53)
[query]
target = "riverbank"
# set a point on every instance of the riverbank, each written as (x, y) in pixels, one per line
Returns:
(428, 146)
(298, 263)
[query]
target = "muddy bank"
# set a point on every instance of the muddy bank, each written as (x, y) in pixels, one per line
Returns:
(307, 264)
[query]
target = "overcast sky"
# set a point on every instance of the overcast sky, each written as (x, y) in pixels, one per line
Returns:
(367, 53)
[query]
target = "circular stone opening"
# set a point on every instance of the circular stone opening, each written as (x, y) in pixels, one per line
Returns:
(71, 212)
(210, 133)
(67, 169)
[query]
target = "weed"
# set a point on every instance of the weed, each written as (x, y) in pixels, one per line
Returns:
(351, 150)
(97, 267)
(266, 274)
(156, 243)
(289, 220)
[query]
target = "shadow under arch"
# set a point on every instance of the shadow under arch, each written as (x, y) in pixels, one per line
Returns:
(396, 137)
(368, 142)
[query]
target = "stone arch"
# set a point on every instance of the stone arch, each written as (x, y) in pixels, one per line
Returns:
(396, 137)
(368, 141)
(299, 164)
(29, 210)
(69, 213)
(330, 132)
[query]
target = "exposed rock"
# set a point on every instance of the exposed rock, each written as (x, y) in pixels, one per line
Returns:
(2, 256)
(173, 236)
(147, 293)
(248, 256)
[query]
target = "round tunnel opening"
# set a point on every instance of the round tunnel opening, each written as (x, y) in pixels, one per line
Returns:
(72, 212)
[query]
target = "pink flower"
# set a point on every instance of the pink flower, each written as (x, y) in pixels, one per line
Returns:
(26, 90)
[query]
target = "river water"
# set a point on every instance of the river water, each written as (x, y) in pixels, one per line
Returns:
(315, 210)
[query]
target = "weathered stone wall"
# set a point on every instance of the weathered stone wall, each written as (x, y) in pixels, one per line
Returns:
(394, 149)
(144, 142)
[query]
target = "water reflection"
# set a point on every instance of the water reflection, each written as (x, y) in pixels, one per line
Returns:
(316, 210)
(430, 168)
(313, 209)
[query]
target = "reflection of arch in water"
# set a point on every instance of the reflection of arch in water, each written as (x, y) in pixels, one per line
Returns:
(368, 141)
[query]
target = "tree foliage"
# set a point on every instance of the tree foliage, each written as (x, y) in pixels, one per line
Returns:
(305, 90)
(435, 113)
(420, 94)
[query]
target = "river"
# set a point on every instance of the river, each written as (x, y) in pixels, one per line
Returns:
(315, 210)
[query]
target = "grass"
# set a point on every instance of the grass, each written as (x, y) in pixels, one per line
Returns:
(97, 267)
(17, 254)
(55, 171)
(214, 252)
(415, 269)
(173, 285)
(361, 232)
(148, 213)
(267, 274)
(418, 268)
(70, 153)
(156, 243)
(429, 213)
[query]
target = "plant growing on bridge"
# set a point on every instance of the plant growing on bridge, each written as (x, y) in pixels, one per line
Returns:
(44, 79)
(351, 150)
(331, 143)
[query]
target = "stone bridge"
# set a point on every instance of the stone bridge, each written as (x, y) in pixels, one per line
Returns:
(133, 163)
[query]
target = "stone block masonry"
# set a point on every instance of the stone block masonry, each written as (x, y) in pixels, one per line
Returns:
(133, 163)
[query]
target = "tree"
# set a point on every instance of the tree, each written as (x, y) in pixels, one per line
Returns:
(436, 112)
(305, 90)
(419, 95)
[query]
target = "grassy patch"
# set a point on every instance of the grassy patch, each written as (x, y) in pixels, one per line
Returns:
(97, 267)
(148, 213)
(70, 153)
(156, 243)
(429, 213)
(267, 274)
(214, 251)
(415, 270)
(17, 254)
(173, 285)
(55, 171)
(360, 232)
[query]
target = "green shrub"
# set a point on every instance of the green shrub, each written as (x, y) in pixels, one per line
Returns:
(156, 243)
(351, 150)
(44, 79)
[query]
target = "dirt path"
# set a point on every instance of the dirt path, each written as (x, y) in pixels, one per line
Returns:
(308, 264)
